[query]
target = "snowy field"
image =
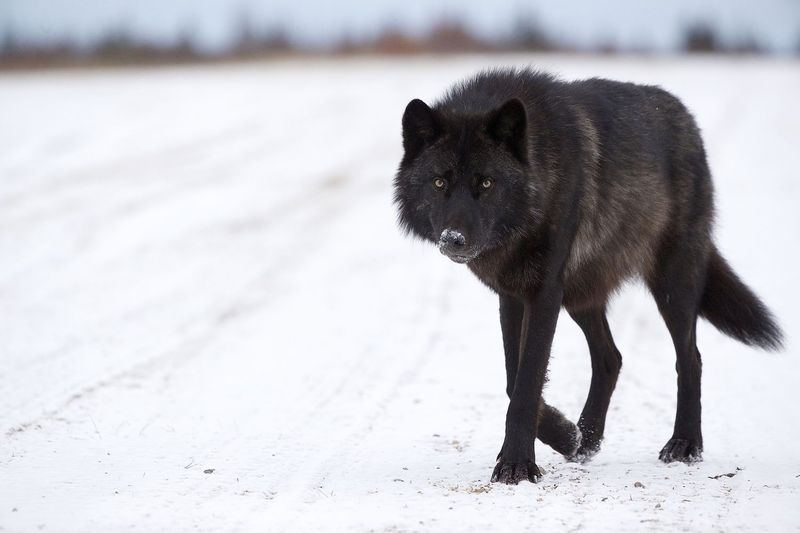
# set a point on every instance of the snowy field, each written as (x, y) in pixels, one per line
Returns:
(209, 320)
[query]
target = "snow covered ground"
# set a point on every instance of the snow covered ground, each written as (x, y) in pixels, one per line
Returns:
(209, 320)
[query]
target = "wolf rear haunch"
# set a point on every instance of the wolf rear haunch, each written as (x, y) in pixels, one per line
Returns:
(553, 194)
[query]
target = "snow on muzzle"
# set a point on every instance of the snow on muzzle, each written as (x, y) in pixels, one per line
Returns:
(453, 244)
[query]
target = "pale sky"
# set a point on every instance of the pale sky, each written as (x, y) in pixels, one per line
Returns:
(774, 23)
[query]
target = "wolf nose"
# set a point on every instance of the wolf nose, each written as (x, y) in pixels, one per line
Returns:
(451, 239)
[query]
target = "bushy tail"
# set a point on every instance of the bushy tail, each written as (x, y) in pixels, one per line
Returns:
(733, 308)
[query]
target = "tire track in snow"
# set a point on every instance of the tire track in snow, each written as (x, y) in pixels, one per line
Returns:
(379, 392)
(319, 216)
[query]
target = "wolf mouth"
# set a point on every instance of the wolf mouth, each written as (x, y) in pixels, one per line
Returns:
(459, 258)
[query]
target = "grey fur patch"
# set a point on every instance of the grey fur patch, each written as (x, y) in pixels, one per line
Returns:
(636, 197)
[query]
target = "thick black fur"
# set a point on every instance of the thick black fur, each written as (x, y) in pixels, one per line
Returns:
(554, 194)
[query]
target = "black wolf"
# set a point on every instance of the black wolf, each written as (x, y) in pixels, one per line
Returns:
(553, 194)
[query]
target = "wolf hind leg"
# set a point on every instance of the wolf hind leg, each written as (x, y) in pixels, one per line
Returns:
(606, 365)
(677, 286)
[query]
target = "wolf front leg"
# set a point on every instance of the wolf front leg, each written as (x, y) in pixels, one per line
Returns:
(517, 461)
(554, 428)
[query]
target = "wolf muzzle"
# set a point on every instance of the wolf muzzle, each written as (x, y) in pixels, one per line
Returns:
(453, 244)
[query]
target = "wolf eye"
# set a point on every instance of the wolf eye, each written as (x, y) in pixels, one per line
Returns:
(487, 183)
(438, 183)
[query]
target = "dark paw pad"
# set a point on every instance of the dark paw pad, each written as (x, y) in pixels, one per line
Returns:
(684, 450)
(512, 473)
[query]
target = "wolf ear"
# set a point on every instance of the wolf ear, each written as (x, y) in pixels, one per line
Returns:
(508, 125)
(420, 127)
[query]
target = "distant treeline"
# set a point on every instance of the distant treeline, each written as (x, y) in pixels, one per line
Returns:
(118, 47)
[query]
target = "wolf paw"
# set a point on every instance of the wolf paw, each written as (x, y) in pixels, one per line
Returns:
(571, 444)
(588, 447)
(684, 450)
(584, 454)
(512, 473)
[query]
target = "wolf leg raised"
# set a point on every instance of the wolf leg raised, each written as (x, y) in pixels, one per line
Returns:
(606, 364)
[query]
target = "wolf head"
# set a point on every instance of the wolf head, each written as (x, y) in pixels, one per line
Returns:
(465, 182)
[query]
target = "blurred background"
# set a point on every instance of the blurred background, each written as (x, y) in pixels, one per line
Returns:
(63, 32)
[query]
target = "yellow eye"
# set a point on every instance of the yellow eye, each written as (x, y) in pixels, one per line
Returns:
(487, 183)
(438, 183)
